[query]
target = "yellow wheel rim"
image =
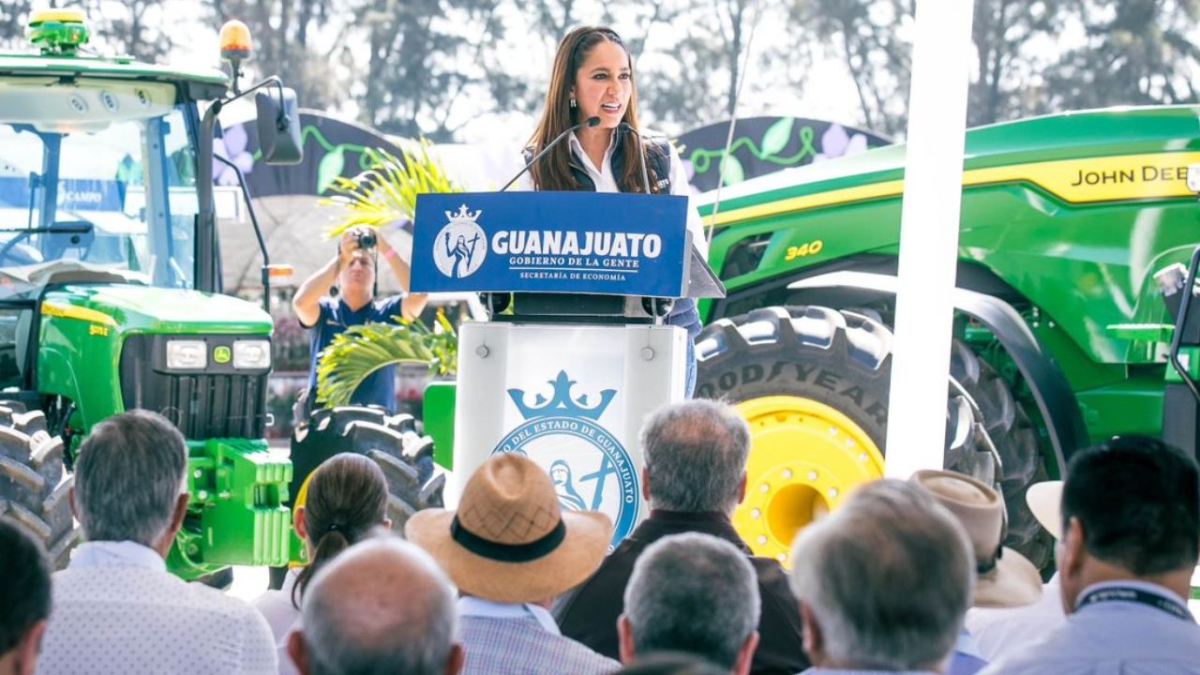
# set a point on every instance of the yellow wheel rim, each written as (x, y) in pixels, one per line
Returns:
(804, 457)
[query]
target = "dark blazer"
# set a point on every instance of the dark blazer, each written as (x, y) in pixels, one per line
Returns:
(589, 613)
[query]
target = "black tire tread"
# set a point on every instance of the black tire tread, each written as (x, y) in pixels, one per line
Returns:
(860, 347)
(33, 482)
(391, 441)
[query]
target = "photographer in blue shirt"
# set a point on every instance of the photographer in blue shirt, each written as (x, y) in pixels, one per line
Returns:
(342, 294)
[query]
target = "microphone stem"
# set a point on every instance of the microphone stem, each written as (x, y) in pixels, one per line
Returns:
(641, 154)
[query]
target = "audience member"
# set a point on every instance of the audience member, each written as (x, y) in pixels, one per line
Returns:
(116, 608)
(1000, 632)
(510, 549)
(694, 478)
(24, 600)
(671, 663)
(345, 497)
(1004, 578)
(1130, 540)
(382, 606)
(883, 582)
(692, 593)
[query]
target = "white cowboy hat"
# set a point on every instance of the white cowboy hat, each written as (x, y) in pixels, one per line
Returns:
(1045, 503)
(1005, 578)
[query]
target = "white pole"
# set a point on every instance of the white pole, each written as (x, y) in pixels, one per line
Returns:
(929, 236)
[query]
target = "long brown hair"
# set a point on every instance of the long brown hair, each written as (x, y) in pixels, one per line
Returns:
(553, 172)
(347, 497)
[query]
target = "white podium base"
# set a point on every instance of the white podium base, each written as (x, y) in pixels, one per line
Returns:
(571, 398)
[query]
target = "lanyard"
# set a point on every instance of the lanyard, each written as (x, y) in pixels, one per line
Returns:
(1136, 595)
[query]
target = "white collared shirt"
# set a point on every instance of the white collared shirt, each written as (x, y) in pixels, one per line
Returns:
(1001, 632)
(1115, 638)
(117, 610)
(604, 180)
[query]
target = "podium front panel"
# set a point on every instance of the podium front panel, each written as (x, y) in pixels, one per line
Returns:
(571, 398)
(550, 242)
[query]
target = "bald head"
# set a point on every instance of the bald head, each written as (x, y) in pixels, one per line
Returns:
(381, 606)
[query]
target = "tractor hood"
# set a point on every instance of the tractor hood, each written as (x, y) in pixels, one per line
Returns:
(1089, 157)
(135, 308)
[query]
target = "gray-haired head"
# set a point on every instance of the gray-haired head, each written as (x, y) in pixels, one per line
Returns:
(913, 556)
(692, 593)
(695, 456)
(382, 606)
(128, 477)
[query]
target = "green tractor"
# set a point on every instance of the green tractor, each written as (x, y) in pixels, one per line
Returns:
(1077, 316)
(110, 289)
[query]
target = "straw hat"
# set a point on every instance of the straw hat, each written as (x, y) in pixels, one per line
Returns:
(1045, 503)
(1006, 578)
(510, 541)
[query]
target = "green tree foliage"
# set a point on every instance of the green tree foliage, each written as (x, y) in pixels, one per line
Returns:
(431, 59)
(1132, 52)
(700, 82)
(869, 37)
(14, 14)
(285, 43)
(1136, 52)
(1009, 67)
(430, 67)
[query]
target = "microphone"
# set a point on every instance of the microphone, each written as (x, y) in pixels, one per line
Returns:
(589, 122)
(626, 126)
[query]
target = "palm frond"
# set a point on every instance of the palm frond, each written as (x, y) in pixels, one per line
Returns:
(387, 192)
(362, 350)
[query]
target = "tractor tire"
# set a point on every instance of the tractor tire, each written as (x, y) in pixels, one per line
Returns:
(392, 441)
(813, 383)
(1016, 441)
(33, 482)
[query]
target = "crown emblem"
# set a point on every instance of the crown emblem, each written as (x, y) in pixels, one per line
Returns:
(463, 215)
(560, 403)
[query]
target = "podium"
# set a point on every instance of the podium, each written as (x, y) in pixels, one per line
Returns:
(578, 350)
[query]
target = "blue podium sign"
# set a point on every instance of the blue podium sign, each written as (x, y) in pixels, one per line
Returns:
(550, 242)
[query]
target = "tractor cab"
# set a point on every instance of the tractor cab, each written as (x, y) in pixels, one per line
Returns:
(110, 284)
(97, 180)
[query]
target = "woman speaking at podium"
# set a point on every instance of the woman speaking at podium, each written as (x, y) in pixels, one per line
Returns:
(592, 90)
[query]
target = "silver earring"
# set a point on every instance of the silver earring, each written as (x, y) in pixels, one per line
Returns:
(572, 102)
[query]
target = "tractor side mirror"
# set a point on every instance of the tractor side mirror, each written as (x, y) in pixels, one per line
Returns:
(279, 126)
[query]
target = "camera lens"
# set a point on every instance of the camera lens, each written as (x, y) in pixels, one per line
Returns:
(366, 240)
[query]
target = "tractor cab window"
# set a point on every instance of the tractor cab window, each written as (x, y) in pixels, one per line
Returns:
(97, 176)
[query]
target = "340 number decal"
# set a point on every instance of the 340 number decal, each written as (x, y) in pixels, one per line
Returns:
(804, 250)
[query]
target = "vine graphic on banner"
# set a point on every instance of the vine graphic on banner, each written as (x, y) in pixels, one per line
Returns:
(764, 145)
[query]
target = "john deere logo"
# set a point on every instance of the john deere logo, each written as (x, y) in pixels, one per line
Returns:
(222, 355)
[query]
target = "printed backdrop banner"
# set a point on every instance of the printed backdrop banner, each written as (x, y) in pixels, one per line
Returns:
(550, 242)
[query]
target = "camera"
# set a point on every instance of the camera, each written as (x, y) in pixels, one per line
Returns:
(365, 240)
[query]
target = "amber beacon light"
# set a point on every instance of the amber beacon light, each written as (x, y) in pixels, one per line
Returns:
(235, 41)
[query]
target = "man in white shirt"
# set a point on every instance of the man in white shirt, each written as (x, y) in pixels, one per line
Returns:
(1131, 537)
(1000, 632)
(116, 609)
